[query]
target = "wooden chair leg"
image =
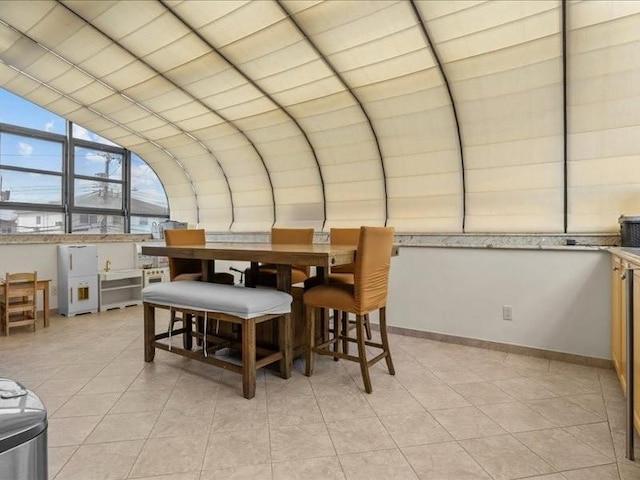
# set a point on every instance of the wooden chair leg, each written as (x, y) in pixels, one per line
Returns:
(385, 340)
(345, 332)
(336, 332)
(248, 359)
(285, 345)
(311, 339)
(187, 337)
(367, 326)
(362, 353)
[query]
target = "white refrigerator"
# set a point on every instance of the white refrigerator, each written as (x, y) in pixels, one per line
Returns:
(77, 279)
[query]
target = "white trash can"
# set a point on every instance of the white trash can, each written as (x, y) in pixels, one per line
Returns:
(23, 433)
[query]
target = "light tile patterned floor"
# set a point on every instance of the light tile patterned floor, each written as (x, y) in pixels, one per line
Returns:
(451, 412)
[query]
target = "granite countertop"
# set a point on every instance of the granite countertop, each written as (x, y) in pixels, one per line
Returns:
(627, 253)
(26, 239)
(533, 241)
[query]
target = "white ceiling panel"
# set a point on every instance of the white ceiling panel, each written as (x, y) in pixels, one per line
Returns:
(353, 102)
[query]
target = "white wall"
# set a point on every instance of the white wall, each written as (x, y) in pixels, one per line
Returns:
(560, 298)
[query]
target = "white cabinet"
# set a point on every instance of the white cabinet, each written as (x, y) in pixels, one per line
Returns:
(120, 288)
(77, 279)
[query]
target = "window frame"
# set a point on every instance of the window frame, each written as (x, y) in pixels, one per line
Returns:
(67, 175)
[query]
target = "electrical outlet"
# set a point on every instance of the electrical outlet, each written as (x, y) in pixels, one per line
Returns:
(507, 312)
(54, 290)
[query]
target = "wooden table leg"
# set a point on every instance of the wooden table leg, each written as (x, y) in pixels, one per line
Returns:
(285, 337)
(285, 331)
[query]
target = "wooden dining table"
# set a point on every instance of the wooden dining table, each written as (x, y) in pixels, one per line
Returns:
(320, 256)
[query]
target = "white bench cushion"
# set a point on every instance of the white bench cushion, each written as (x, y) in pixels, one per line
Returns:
(213, 297)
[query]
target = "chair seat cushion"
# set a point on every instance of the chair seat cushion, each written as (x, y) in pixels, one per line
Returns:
(213, 297)
(268, 276)
(341, 278)
(337, 296)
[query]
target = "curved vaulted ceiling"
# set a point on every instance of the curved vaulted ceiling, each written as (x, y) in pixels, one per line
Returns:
(429, 116)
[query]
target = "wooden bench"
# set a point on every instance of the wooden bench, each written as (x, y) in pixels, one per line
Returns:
(243, 306)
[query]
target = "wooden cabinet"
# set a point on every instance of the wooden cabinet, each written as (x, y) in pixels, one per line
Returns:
(618, 316)
(636, 353)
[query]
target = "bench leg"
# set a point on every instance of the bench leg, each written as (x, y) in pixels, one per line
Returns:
(149, 332)
(248, 359)
(284, 340)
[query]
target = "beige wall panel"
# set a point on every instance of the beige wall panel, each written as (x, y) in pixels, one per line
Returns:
(620, 142)
(424, 163)
(359, 212)
(328, 103)
(525, 211)
(354, 191)
(425, 185)
(597, 208)
(305, 178)
(612, 114)
(512, 128)
(354, 172)
(518, 178)
(310, 91)
(523, 152)
(302, 214)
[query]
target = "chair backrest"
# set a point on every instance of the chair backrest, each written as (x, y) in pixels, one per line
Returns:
(21, 285)
(293, 236)
(373, 259)
(180, 237)
(344, 236)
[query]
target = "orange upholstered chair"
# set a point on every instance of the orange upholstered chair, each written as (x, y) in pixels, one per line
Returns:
(367, 293)
(266, 274)
(189, 268)
(342, 274)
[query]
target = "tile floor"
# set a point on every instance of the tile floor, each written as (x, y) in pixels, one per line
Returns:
(451, 412)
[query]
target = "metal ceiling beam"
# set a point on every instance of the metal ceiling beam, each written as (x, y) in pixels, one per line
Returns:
(436, 57)
(565, 120)
(353, 95)
(263, 92)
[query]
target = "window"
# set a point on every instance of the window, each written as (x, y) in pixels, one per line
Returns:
(41, 173)
(30, 221)
(30, 169)
(97, 223)
(147, 193)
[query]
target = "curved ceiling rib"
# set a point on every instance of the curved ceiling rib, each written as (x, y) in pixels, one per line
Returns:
(200, 102)
(100, 114)
(263, 92)
(353, 95)
(425, 31)
(565, 125)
